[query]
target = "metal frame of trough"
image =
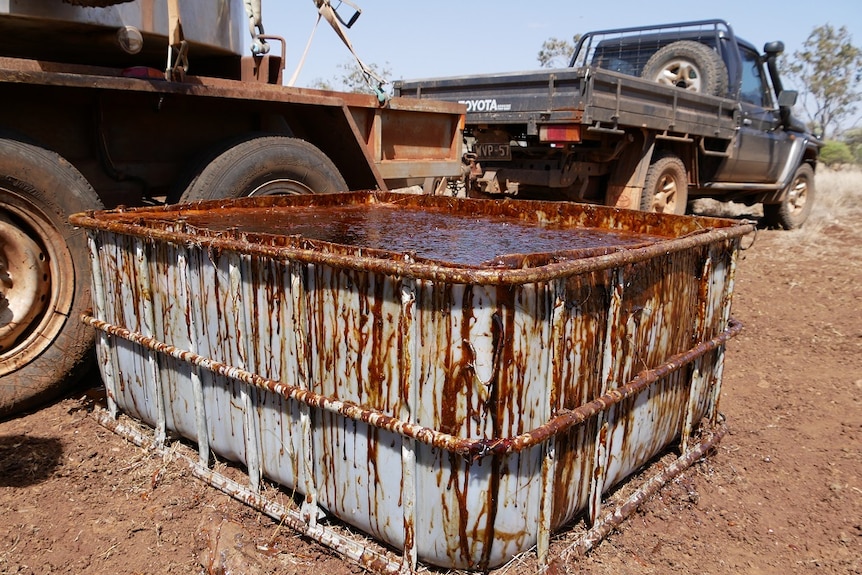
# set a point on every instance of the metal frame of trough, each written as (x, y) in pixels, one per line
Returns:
(371, 555)
(305, 520)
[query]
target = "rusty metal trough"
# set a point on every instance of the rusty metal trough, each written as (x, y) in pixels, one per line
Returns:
(458, 379)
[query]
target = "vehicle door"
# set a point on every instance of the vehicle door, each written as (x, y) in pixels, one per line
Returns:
(762, 144)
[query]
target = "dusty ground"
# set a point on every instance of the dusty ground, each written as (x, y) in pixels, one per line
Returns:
(782, 494)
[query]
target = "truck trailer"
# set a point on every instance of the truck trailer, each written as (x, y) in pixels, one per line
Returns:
(108, 103)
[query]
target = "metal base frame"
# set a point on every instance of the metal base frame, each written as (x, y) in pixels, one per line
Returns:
(374, 557)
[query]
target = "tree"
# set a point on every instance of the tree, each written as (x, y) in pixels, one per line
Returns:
(835, 154)
(827, 69)
(853, 139)
(353, 79)
(556, 53)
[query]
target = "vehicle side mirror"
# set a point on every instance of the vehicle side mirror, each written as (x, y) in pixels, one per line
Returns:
(787, 98)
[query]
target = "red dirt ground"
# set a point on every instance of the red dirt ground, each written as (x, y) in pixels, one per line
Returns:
(782, 494)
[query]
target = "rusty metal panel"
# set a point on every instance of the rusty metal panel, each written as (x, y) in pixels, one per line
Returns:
(456, 378)
(411, 138)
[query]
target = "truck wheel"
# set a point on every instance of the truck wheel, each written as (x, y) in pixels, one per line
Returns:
(44, 276)
(795, 206)
(263, 166)
(666, 186)
(689, 65)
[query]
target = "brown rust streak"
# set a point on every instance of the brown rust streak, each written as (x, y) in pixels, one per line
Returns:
(470, 449)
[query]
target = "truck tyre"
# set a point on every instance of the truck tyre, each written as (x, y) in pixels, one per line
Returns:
(44, 276)
(689, 65)
(666, 186)
(795, 205)
(266, 165)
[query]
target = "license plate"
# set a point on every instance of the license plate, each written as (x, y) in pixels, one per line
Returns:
(488, 151)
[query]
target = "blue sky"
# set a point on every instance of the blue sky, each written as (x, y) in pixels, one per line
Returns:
(453, 37)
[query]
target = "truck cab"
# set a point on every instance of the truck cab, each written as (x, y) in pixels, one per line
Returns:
(769, 142)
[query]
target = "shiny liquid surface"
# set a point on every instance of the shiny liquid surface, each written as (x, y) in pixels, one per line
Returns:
(430, 234)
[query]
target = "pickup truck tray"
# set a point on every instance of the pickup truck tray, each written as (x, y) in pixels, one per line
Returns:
(591, 96)
(456, 378)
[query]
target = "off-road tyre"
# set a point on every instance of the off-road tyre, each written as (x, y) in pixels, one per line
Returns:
(666, 186)
(688, 65)
(795, 205)
(266, 165)
(44, 346)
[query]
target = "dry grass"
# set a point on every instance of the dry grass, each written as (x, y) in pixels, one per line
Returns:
(839, 198)
(837, 205)
(836, 211)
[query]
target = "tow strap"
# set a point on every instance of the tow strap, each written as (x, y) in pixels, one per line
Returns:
(326, 11)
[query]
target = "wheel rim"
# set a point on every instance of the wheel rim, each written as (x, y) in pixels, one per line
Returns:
(682, 74)
(33, 306)
(25, 284)
(797, 196)
(281, 187)
(664, 200)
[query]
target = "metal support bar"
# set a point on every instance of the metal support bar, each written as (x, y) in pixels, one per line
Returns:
(240, 291)
(106, 353)
(310, 509)
(201, 428)
(718, 370)
(601, 129)
(559, 317)
(699, 379)
(667, 137)
(148, 320)
(411, 370)
(600, 451)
